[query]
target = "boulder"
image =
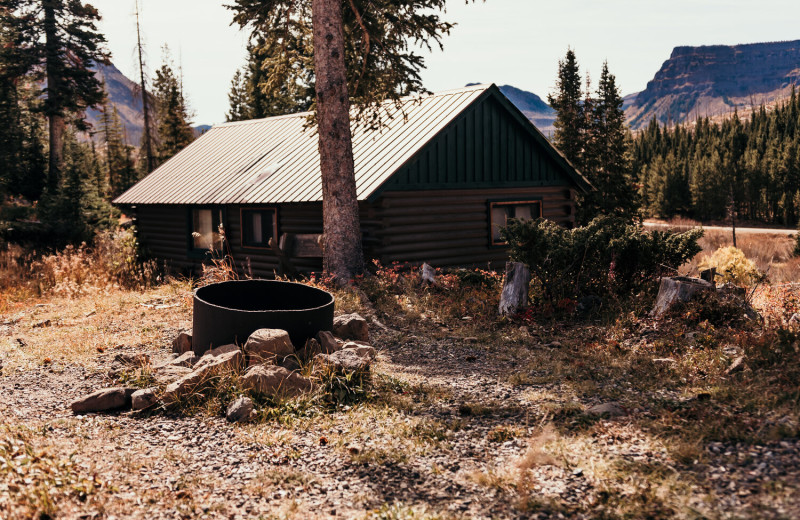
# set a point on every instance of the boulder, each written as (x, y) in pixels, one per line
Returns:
(104, 400)
(230, 361)
(311, 349)
(211, 355)
(609, 409)
(142, 399)
(290, 363)
(361, 349)
(351, 326)
(168, 373)
(240, 410)
(187, 360)
(267, 346)
(346, 360)
(327, 342)
(183, 343)
(272, 380)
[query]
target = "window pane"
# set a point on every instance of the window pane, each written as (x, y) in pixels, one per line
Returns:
(523, 212)
(256, 232)
(499, 216)
(203, 229)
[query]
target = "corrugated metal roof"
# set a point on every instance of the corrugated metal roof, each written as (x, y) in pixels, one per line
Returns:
(275, 160)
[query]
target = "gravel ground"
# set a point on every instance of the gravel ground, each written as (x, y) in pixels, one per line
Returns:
(478, 448)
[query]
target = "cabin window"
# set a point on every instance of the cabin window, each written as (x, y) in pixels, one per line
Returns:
(207, 229)
(258, 227)
(501, 211)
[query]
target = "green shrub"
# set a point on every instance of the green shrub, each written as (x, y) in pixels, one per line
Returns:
(609, 255)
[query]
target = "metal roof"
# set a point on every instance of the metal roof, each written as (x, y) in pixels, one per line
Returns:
(276, 159)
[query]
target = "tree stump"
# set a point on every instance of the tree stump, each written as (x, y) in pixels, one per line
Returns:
(514, 297)
(678, 289)
(428, 274)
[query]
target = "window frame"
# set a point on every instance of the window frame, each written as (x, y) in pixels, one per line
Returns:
(492, 204)
(216, 211)
(271, 209)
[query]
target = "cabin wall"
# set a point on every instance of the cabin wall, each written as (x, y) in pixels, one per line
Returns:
(452, 227)
(163, 232)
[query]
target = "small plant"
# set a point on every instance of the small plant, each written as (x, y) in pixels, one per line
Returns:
(733, 265)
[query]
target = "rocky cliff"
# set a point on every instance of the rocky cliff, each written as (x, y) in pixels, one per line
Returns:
(717, 79)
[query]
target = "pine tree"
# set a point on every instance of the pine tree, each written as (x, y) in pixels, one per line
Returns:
(607, 158)
(239, 98)
(362, 51)
(174, 126)
(62, 37)
(570, 122)
(120, 168)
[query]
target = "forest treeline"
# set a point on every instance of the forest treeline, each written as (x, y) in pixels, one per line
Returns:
(746, 169)
(58, 173)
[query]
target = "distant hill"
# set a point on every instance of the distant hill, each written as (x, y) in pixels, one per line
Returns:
(715, 80)
(125, 95)
(534, 108)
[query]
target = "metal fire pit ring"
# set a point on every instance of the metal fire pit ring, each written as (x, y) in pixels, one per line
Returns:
(228, 312)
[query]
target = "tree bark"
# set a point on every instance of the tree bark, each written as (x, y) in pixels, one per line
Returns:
(55, 116)
(342, 254)
(514, 297)
(678, 289)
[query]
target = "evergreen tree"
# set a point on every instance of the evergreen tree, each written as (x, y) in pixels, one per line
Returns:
(570, 122)
(60, 37)
(239, 98)
(174, 126)
(120, 167)
(77, 209)
(364, 51)
(607, 161)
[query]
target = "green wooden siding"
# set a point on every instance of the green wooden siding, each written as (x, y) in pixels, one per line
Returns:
(485, 147)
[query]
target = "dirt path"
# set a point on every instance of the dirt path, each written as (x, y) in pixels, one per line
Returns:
(742, 230)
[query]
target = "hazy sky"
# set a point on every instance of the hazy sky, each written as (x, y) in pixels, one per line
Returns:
(517, 42)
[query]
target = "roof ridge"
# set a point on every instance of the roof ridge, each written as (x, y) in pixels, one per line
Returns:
(412, 97)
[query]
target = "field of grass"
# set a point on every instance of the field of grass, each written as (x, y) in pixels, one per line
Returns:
(467, 415)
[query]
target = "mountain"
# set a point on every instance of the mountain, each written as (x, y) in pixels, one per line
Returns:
(535, 109)
(124, 94)
(715, 80)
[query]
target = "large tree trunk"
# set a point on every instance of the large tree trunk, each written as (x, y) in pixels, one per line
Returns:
(55, 116)
(342, 254)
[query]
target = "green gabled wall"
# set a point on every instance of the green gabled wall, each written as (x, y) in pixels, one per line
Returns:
(486, 146)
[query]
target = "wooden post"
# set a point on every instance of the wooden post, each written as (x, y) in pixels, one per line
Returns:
(514, 297)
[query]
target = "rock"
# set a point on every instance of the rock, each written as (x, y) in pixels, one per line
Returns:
(345, 360)
(240, 410)
(351, 326)
(679, 289)
(663, 361)
(207, 367)
(327, 342)
(609, 409)
(274, 380)
(187, 360)
(168, 373)
(737, 366)
(516, 284)
(311, 349)
(104, 400)
(552, 344)
(362, 350)
(290, 363)
(142, 399)
(428, 274)
(267, 345)
(183, 343)
(132, 360)
(211, 355)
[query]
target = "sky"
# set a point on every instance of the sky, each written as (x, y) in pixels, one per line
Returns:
(508, 42)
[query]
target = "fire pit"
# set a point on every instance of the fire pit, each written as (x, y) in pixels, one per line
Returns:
(228, 312)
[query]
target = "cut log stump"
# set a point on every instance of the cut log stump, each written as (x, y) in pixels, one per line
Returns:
(514, 297)
(428, 274)
(678, 289)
